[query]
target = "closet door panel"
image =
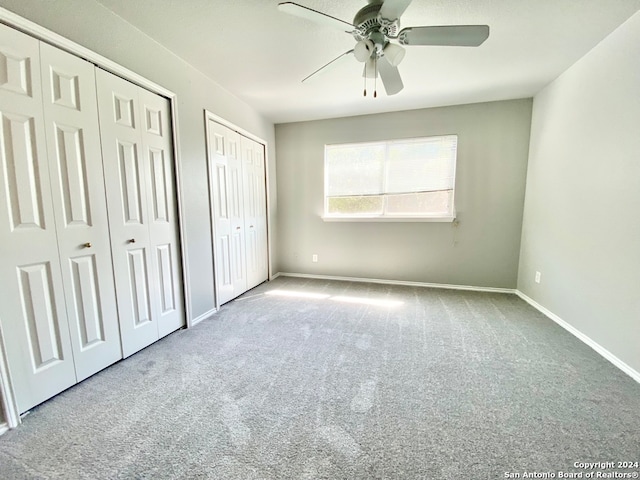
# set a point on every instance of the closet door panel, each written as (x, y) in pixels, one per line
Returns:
(77, 180)
(235, 197)
(32, 303)
(262, 251)
(222, 230)
(127, 199)
(157, 147)
(250, 211)
(254, 212)
(220, 150)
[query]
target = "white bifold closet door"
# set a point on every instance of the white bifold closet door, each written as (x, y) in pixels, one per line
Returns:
(57, 301)
(255, 211)
(137, 154)
(237, 169)
(77, 181)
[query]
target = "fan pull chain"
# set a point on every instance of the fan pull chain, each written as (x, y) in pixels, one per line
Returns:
(375, 78)
(365, 84)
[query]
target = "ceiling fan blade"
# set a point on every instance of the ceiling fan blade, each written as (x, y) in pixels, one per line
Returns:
(390, 77)
(315, 16)
(392, 9)
(449, 35)
(326, 67)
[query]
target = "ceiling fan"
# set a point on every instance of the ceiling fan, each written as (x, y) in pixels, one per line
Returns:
(375, 26)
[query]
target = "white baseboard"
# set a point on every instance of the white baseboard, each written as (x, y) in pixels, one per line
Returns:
(397, 282)
(581, 336)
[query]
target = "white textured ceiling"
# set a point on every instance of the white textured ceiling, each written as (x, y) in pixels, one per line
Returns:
(261, 54)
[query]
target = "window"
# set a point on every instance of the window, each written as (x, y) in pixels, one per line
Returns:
(396, 179)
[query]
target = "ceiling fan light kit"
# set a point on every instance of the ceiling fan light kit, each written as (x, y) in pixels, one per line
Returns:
(374, 28)
(363, 50)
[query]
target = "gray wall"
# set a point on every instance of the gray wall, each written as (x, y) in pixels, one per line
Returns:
(482, 250)
(91, 25)
(582, 211)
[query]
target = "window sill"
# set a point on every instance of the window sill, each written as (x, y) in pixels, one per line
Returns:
(399, 218)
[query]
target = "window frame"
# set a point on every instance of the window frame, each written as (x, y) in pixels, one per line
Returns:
(369, 217)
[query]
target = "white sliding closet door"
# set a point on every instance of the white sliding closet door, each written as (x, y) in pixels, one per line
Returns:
(71, 120)
(138, 164)
(236, 166)
(32, 302)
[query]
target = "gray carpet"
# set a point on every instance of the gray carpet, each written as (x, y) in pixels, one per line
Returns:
(447, 385)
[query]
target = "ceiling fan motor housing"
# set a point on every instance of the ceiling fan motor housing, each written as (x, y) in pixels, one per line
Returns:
(368, 22)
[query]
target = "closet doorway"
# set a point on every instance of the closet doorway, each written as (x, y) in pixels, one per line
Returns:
(236, 163)
(69, 275)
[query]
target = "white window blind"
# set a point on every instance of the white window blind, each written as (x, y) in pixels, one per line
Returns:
(355, 169)
(413, 177)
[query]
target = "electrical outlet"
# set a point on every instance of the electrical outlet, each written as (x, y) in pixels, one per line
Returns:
(314, 258)
(538, 275)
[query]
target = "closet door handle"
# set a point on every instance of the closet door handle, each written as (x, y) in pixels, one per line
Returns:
(87, 245)
(237, 228)
(131, 240)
